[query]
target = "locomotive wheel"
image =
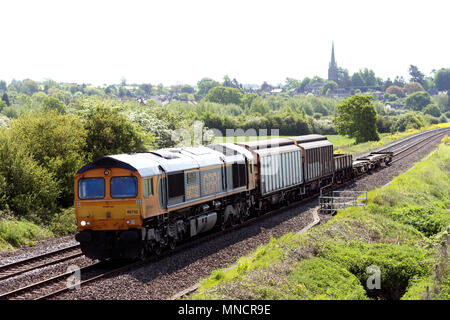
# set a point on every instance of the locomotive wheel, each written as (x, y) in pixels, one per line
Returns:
(143, 253)
(172, 244)
(158, 250)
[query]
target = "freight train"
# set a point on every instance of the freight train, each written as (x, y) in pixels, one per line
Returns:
(132, 205)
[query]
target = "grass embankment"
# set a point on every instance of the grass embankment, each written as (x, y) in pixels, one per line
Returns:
(15, 232)
(404, 231)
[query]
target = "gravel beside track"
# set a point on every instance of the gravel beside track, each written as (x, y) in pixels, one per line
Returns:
(179, 271)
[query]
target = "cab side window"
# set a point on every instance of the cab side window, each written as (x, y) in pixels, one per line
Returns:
(148, 187)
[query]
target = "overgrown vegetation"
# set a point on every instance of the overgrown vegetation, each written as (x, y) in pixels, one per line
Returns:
(404, 232)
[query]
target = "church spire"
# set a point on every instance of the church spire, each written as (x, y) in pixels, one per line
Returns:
(333, 68)
(333, 62)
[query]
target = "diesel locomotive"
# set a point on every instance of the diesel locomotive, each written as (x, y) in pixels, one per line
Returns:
(133, 205)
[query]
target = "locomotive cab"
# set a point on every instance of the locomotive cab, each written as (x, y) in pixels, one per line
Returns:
(110, 201)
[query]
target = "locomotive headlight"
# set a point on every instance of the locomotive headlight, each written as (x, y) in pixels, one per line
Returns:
(88, 223)
(127, 222)
(82, 223)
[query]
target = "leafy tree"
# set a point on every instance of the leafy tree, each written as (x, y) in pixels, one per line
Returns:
(418, 100)
(6, 99)
(56, 142)
(305, 82)
(416, 75)
(26, 188)
(2, 105)
(247, 100)
(412, 87)
(109, 132)
(147, 88)
(399, 81)
(224, 95)
(51, 103)
(344, 80)
(433, 110)
(357, 118)
(329, 85)
(398, 91)
(357, 81)
(187, 89)
(292, 83)
(206, 84)
(259, 106)
(3, 85)
(442, 81)
(410, 120)
(29, 87)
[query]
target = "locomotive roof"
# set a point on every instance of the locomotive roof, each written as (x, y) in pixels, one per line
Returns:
(141, 162)
(167, 160)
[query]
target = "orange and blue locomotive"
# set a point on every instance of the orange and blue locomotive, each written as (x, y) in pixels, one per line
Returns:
(132, 205)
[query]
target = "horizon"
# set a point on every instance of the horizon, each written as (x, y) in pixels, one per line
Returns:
(176, 42)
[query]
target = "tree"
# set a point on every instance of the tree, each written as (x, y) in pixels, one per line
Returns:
(187, 89)
(442, 81)
(412, 87)
(110, 132)
(416, 75)
(344, 80)
(26, 188)
(224, 95)
(292, 83)
(418, 100)
(147, 88)
(206, 84)
(3, 85)
(399, 81)
(398, 91)
(357, 81)
(357, 117)
(56, 142)
(3, 105)
(29, 87)
(6, 99)
(329, 85)
(433, 110)
(52, 103)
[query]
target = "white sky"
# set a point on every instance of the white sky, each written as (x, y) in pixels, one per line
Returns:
(183, 41)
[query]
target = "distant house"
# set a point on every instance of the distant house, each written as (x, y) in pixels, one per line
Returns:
(340, 93)
(276, 91)
(316, 88)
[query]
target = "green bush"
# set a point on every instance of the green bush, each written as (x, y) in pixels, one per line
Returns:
(423, 219)
(398, 264)
(56, 142)
(17, 233)
(320, 279)
(64, 223)
(26, 188)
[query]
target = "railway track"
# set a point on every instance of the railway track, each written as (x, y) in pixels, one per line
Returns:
(59, 284)
(51, 258)
(404, 148)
